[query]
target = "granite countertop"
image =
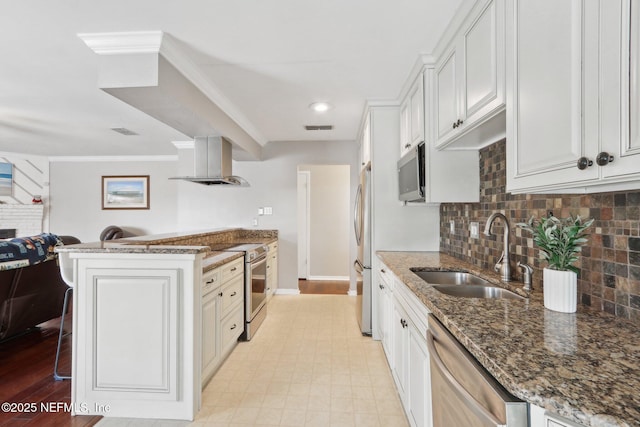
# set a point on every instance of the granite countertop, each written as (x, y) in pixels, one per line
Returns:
(216, 259)
(582, 366)
(188, 242)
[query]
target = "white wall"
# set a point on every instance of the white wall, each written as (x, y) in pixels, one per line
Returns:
(273, 182)
(76, 198)
(329, 191)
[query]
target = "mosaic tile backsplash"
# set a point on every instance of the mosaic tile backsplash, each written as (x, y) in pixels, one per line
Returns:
(609, 278)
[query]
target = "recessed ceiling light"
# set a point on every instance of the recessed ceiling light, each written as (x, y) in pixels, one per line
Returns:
(320, 107)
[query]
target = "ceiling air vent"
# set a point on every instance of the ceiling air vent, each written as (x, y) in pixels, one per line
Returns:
(124, 131)
(318, 127)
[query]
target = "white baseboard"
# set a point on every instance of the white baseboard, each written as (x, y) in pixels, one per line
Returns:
(328, 278)
(286, 291)
(352, 293)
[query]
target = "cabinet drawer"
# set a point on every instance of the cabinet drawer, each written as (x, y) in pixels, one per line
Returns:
(232, 327)
(232, 293)
(210, 281)
(232, 269)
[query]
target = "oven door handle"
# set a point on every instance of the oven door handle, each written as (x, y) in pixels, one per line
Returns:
(258, 261)
(475, 406)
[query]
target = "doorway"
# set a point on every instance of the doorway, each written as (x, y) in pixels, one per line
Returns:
(323, 224)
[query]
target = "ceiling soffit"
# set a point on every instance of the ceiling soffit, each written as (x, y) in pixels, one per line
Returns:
(148, 71)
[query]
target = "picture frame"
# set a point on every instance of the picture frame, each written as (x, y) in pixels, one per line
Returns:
(125, 192)
(6, 179)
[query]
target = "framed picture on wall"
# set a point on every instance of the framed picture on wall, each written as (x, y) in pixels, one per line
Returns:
(6, 179)
(125, 192)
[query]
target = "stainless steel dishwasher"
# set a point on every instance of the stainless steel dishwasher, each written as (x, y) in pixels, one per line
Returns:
(463, 393)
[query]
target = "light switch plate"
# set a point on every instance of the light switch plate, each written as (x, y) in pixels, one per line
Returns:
(473, 230)
(268, 210)
(260, 211)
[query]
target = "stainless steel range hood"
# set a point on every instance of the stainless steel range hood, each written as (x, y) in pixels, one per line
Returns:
(212, 163)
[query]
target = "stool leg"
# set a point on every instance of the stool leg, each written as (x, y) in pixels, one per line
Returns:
(57, 376)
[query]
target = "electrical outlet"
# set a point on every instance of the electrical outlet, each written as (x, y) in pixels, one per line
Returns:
(255, 222)
(452, 226)
(473, 230)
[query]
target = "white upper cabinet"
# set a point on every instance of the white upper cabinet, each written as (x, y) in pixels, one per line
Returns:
(412, 116)
(570, 104)
(469, 81)
(365, 142)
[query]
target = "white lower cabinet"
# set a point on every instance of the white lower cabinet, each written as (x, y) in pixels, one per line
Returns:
(222, 314)
(272, 269)
(402, 326)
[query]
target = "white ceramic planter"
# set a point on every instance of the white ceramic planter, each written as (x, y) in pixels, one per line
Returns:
(560, 290)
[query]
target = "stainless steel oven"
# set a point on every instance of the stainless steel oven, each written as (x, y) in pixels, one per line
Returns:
(256, 290)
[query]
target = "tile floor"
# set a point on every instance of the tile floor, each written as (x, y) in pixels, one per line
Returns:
(308, 365)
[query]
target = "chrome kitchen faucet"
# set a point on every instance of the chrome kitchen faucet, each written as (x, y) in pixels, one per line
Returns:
(502, 265)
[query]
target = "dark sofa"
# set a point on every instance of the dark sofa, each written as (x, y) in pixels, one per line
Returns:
(32, 294)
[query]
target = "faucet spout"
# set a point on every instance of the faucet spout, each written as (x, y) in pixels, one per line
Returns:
(503, 263)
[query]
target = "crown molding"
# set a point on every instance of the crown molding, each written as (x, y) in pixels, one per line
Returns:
(123, 42)
(167, 158)
(183, 144)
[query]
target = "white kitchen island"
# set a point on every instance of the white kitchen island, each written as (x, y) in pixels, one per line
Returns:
(136, 329)
(137, 324)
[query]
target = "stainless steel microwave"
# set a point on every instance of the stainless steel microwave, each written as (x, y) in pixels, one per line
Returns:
(411, 175)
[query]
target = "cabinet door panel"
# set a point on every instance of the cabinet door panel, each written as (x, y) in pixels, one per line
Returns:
(481, 67)
(405, 127)
(545, 126)
(620, 100)
(419, 384)
(210, 347)
(416, 99)
(446, 96)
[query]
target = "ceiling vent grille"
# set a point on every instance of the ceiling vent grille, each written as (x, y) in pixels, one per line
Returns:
(124, 131)
(318, 127)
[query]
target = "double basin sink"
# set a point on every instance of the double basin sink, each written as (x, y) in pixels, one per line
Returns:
(462, 284)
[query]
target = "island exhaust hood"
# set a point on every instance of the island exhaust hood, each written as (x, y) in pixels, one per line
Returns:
(212, 163)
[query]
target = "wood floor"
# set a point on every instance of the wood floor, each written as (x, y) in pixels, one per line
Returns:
(26, 377)
(325, 287)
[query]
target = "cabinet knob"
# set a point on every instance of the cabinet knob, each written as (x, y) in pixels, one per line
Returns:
(584, 163)
(604, 158)
(381, 287)
(407, 145)
(383, 270)
(459, 122)
(455, 125)
(220, 294)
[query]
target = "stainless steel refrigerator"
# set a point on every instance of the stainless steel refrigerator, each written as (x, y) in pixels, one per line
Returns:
(362, 265)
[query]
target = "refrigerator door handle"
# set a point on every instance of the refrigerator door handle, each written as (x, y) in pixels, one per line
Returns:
(357, 215)
(358, 266)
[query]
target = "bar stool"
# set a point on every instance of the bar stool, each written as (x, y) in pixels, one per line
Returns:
(66, 272)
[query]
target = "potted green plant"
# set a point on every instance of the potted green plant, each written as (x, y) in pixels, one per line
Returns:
(560, 242)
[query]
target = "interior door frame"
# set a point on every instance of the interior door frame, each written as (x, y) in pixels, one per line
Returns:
(304, 223)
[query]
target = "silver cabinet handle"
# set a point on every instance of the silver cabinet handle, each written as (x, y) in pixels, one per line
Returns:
(462, 393)
(357, 221)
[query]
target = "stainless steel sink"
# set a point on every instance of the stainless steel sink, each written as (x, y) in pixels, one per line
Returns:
(476, 291)
(462, 284)
(450, 278)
